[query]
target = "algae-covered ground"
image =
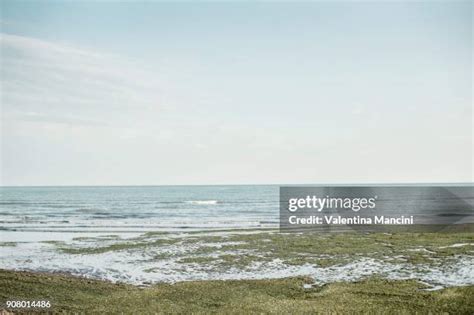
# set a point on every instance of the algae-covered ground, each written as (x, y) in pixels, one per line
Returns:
(259, 271)
(281, 296)
(239, 250)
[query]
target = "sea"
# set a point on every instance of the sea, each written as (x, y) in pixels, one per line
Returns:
(131, 209)
(136, 209)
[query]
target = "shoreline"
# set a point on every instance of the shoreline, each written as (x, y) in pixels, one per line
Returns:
(437, 258)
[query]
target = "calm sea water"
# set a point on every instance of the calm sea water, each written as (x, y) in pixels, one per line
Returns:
(167, 208)
(135, 209)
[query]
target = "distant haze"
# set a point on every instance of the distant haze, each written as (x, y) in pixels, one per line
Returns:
(105, 93)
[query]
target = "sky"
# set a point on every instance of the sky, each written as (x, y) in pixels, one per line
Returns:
(162, 93)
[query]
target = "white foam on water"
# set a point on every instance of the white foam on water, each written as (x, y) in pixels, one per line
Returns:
(458, 245)
(140, 266)
(202, 202)
(34, 236)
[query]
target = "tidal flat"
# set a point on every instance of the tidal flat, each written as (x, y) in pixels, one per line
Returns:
(438, 259)
(251, 271)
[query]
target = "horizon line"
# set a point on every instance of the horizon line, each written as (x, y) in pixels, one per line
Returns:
(259, 184)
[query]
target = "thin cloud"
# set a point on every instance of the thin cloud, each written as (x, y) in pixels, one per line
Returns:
(65, 81)
(60, 120)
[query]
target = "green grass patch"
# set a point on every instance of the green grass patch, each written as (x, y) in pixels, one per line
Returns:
(279, 296)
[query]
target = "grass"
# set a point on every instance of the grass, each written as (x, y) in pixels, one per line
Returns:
(279, 296)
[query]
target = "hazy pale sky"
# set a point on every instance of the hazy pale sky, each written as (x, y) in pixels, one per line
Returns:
(230, 93)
